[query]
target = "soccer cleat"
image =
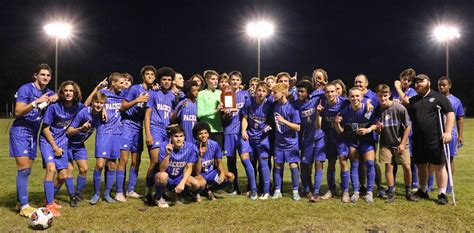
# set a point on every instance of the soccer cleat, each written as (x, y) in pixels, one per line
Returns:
(79, 197)
(73, 201)
(133, 194)
(362, 191)
(211, 196)
(410, 197)
(443, 199)
(95, 199)
(296, 195)
(233, 193)
(108, 198)
(56, 205)
(27, 211)
(120, 197)
(369, 198)
(449, 190)
(265, 196)
(390, 197)
(328, 195)
(381, 193)
(422, 195)
(53, 210)
(345, 197)
(149, 200)
(355, 197)
(314, 198)
(253, 196)
(162, 203)
(277, 195)
(430, 189)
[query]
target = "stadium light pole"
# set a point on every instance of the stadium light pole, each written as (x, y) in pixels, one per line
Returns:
(446, 34)
(58, 31)
(259, 30)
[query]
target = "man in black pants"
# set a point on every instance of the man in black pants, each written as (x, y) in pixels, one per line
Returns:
(427, 136)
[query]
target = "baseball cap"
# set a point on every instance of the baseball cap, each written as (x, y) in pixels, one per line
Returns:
(421, 76)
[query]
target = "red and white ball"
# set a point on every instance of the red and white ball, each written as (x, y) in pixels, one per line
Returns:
(41, 219)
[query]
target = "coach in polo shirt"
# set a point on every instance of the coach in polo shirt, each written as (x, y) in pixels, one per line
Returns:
(427, 136)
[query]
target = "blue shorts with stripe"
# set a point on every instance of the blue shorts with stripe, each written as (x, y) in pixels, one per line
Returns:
(260, 148)
(132, 140)
(313, 150)
(77, 152)
(159, 137)
(107, 146)
(234, 142)
(23, 145)
(286, 156)
(47, 153)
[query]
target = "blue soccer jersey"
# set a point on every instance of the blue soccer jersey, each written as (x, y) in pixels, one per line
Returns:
(458, 111)
(161, 103)
(59, 117)
(286, 138)
(187, 118)
(213, 152)
(179, 158)
(328, 116)
(232, 124)
(112, 107)
(257, 117)
(352, 120)
(85, 115)
(409, 92)
(372, 97)
(307, 111)
(133, 117)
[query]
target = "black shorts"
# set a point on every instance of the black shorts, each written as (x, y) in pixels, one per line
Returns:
(421, 155)
(219, 138)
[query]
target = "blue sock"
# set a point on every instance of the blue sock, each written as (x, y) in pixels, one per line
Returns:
(277, 177)
(22, 185)
(331, 178)
(295, 177)
(430, 181)
(49, 191)
(109, 182)
(132, 179)
(232, 166)
(355, 175)
(305, 177)
(265, 171)
(370, 164)
(70, 186)
(414, 175)
(250, 174)
(81, 183)
(318, 178)
(120, 179)
(96, 177)
(345, 181)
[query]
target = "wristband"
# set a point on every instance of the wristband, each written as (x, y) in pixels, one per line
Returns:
(370, 130)
(34, 104)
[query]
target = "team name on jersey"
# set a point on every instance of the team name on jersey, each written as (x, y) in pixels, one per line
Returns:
(64, 124)
(113, 106)
(208, 163)
(308, 113)
(140, 105)
(257, 119)
(177, 164)
(189, 118)
(163, 107)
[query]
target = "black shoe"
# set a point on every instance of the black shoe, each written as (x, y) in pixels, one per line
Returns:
(443, 199)
(390, 197)
(362, 191)
(73, 201)
(79, 197)
(410, 197)
(422, 195)
(149, 201)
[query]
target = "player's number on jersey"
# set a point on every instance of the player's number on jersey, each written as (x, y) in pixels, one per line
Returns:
(175, 171)
(166, 115)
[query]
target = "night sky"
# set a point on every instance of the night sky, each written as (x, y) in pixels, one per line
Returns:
(378, 38)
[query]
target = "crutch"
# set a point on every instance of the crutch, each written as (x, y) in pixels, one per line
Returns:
(447, 153)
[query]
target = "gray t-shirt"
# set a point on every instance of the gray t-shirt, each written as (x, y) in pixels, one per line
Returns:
(395, 120)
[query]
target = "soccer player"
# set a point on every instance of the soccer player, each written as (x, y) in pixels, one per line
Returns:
(209, 107)
(320, 79)
(177, 87)
(198, 78)
(209, 166)
(157, 118)
(177, 159)
(335, 146)
(80, 129)
(186, 110)
(253, 85)
(284, 77)
(394, 126)
(128, 81)
(54, 142)
(271, 81)
(232, 137)
(357, 125)
(256, 129)
(133, 113)
(444, 86)
(31, 100)
(107, 149)
(287, 121)
(340, 87)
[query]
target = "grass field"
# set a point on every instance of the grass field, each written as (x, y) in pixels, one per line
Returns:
(241, 214)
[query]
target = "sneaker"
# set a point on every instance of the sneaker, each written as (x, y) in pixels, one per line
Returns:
(369, 198)
(296, 195)
(133, 194)
(265, 196)
(55, 204)
(149, 200)
(314, 198)
(27, 211)
(390, 197)
(430, 189)
(277, 195)
(197, 197)
(355, 197)
(422, 195)
(443, 199)
(410, 197)
(345, 197)
(307, 195)
(162, 203)
(211, 196)
(120, 197)
(108, 198)
(328, 195)
(234, 193)
(179, 198)
(73, 201)
(95, 199)
(79, 197)
(362, 191)
(253, 196)
(381, 192)
(53, 210)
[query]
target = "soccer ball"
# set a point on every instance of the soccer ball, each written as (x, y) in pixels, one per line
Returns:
(41, 219)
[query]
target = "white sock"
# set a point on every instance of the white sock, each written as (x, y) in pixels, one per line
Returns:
(277, 191)
(442, 190)
(25, 206)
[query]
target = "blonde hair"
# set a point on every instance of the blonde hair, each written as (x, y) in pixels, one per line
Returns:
(280, 87)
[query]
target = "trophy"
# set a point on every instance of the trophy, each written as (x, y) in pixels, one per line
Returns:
(228, 99)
